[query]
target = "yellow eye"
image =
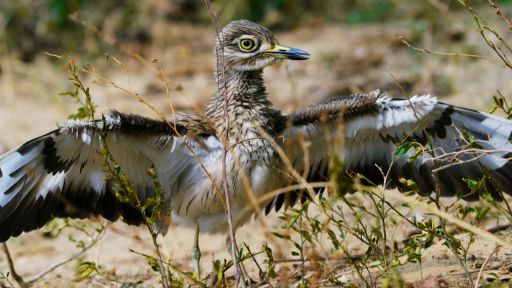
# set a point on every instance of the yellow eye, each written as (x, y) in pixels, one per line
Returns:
(246, 44)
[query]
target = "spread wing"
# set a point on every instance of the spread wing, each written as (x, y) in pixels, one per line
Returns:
(63, 173)
(434, 144)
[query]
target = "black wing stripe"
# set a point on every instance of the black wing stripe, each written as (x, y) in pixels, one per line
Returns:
(443, 129)
(42, 179)
(375, 129)
(315, 122)
(318, 173)
(52, 162)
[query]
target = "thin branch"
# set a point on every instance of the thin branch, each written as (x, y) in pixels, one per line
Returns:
(187, 275)
(484, 265)
(500, 13)
(448, 217)
(118, 45)
(439, 53)
(483, 28)
(221, 74)
(12, 270)
(93, 242)
(140, 98)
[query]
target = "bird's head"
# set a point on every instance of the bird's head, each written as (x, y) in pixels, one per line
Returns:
(249, 46)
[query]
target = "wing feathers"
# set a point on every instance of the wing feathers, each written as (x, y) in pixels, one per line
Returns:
(61, 174)
(375, 125)
(441, 128)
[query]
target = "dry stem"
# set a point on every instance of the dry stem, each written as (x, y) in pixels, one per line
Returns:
(221, 73)
(484, 265)
(12, 270)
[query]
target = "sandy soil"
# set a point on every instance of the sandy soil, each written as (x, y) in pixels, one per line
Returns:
(344, 59)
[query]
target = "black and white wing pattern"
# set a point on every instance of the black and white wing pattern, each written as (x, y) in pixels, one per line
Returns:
(439, 145)
(63, 173)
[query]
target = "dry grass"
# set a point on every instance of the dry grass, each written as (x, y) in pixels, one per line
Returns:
(370, 238)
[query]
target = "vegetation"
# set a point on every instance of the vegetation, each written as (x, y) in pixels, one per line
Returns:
(320, 231)
(57, 25)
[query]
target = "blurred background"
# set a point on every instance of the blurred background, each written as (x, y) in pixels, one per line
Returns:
(31, 27)
(150, 47)
(162, 51)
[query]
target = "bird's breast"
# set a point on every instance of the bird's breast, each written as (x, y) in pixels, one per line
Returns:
(250, 175)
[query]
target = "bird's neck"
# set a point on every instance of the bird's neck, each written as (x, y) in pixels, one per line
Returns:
(248, 108)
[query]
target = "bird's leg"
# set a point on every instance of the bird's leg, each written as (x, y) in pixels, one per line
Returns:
(196, 253)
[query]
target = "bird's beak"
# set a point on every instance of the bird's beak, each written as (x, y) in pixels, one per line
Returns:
(283, 52)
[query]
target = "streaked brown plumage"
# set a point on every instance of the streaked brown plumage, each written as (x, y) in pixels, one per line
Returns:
(185, 150)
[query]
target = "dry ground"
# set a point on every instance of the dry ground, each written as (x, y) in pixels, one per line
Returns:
(343, 59)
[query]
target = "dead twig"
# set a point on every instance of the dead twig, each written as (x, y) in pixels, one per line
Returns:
(446, 216)
(452, 54)
(187, 275)
(21, 282)
(483, 266)
(484, 29)
(500, 13)
(227, 196)
(91, 244)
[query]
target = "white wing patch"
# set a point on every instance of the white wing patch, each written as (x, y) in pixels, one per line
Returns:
(401, 115)
(372, 138)
(65, 168)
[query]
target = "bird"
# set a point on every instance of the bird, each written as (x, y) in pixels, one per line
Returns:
(385, 139)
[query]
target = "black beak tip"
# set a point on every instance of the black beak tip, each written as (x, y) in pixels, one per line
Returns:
(297, 54)
(297, 57)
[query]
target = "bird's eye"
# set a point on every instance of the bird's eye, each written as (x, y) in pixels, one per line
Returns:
(247, 44)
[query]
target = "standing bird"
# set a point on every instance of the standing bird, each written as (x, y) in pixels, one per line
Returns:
(62, 174)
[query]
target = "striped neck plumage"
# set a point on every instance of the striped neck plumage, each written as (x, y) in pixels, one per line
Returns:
(247, 104)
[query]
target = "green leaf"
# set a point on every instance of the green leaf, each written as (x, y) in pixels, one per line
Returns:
(472, 184)
(85, 269)
(410, 184)
(402, 149)
(282, 236)
(153, 263)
